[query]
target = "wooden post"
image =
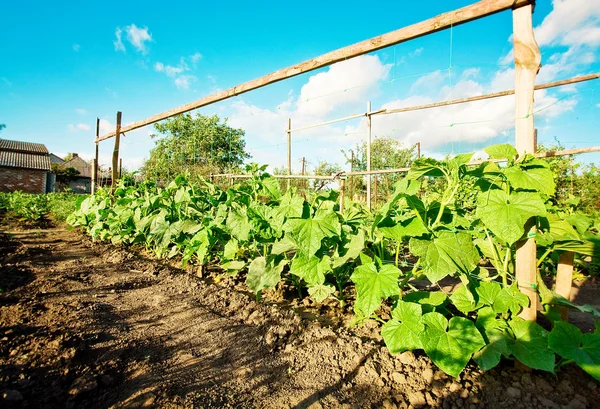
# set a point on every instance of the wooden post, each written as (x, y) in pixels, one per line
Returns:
(564, 279)
(418, 150)
(527, 63)
(350, 177)
(115, 158)
(375, 192)
(120, 168)
(342, 192)
(95, 169)
(369, 154)
(289, 150)
(303, 171)
(94, 175)
(230, 181)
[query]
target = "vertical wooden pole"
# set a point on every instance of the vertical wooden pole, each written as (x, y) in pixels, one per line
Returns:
(95, 169)
(115, 158)
(289, 149)
(375, 192)
(120, 168)
(230, 181)
(350, 180)
(564, 279)
(418, 150)
(342, 192)
(527, 63)
(369, 154)
(303, 182)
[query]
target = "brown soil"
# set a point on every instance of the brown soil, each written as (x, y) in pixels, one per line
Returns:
(85, 326)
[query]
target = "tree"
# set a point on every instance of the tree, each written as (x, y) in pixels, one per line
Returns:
(386, 153)
(199, 145)
(325, 168)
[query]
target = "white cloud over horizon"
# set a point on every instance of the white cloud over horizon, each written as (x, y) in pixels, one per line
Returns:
(136, 36)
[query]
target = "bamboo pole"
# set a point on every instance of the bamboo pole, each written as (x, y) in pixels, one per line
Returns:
(441, 22)
(368, 114)
(303, 171)
(375, 192)
(564, 279)
(527, 62)
(115, 158)
(418, 150)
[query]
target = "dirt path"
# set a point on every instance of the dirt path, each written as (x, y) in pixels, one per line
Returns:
(101, 327)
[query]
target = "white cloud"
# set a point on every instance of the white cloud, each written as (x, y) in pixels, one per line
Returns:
(81, 111)
(184, 81)
(181, 80)
(416, 53)
(118, 43)
(78, 127)
(106, 127)
(571, 23)
(429, 82)
(138, 37)
(347, 82)
(76, 47)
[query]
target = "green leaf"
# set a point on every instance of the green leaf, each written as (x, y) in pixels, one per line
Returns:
(238, 224)
(311, 269)
(463, 300)
(534, 178)
(231, 249)
(411, 227)
(530, 345)
(446, 254)
(581, 222)
(487, 293)
(351, 249)
(402, 332)
(373, 285)
(263, 273)
(510, 298)
(233, 267)
(284, 245)
(503, 151)
(450, 344)
(568, 341)
(431, 298)
(320, 292)
(291, 205)
(506, 215)
(561, 230)
(270, 186)
(309, 233)
(496, 337)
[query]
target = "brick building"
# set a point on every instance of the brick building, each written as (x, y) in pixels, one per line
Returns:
(24, 166)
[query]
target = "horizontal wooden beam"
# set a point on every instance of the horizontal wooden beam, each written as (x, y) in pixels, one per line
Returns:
(441, 22)
(568, 81)
(315, 177)
(549, 154)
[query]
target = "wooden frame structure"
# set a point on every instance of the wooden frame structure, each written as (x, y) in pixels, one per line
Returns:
(527, 63)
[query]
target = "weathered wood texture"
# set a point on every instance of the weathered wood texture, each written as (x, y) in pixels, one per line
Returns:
(115, 157)
(368, 155)
(527, 63)
(564, 279)
(441, 22)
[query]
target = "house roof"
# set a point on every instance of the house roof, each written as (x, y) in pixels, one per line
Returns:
(18, 154)
(56, 159)
(84, 168)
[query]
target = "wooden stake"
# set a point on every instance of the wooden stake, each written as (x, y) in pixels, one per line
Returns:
(95, 170)
(564, 279)
(527, 63)
(342, 192)
(120, 168)
(350, 181)
(418, 150)
(375, 192)
(303, 170)
(115, 158)
(289, 150)
(369, 154)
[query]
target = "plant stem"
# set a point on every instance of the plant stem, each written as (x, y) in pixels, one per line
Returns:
(397, 252)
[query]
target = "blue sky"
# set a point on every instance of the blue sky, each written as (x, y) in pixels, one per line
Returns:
(65, 64)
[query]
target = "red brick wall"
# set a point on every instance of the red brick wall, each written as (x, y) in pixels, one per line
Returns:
(26, 180)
